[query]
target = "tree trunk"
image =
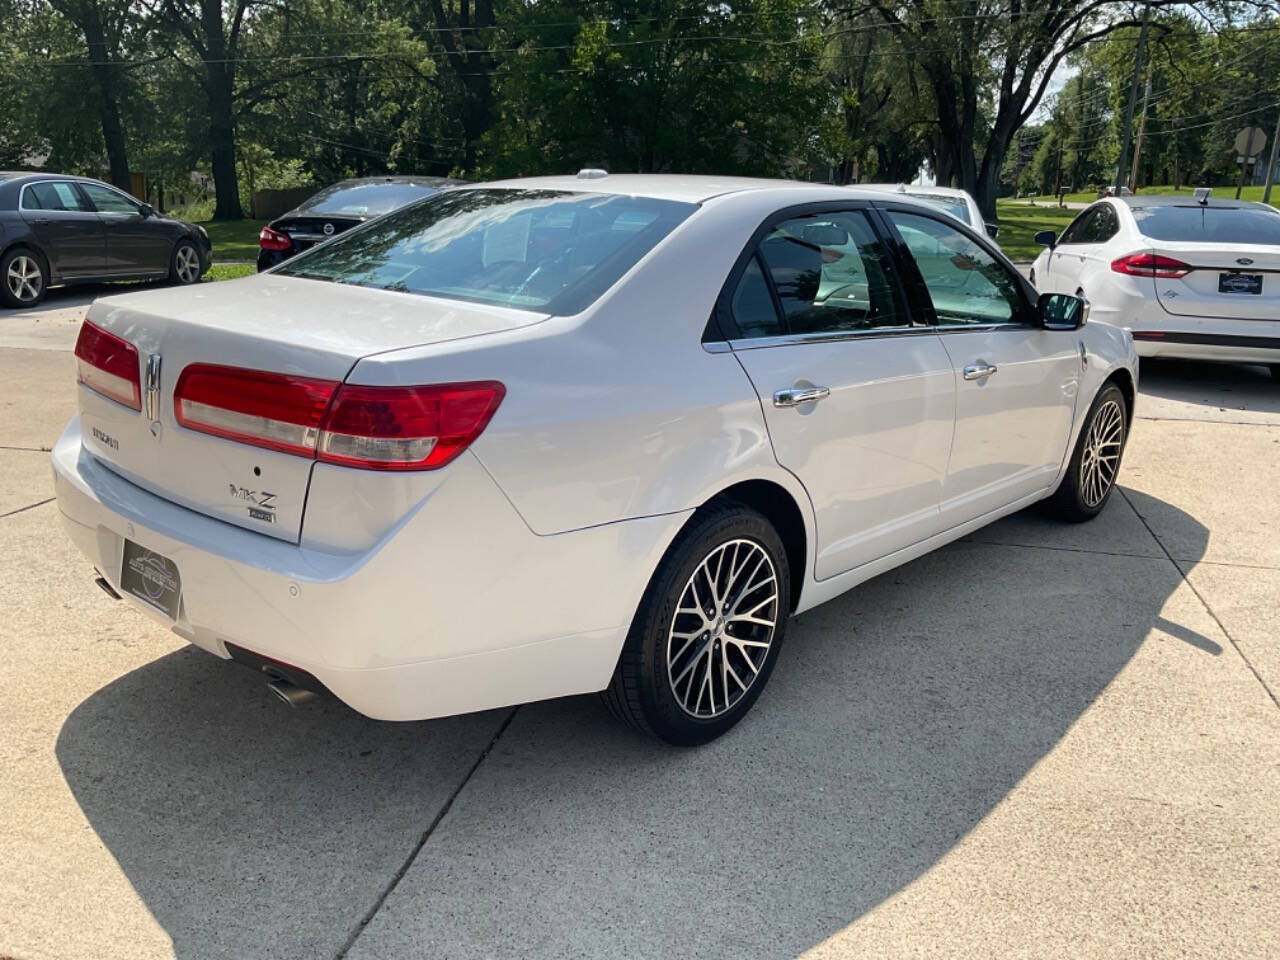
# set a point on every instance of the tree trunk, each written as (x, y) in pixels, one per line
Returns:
(88, 18)
(219, 90)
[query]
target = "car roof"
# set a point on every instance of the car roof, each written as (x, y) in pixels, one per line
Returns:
(1182, 200)
(689, 188)
(399, 178)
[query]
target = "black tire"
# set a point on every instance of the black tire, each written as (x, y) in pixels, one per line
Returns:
(184, 264)
(1076, 498)
(15, 292)
(641, 692)
(1275, 371)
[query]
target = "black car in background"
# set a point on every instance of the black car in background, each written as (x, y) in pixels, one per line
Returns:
(345, 204)
(57, 229)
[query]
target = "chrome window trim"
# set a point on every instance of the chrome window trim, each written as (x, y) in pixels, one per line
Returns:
(982, 327)
(22, 193)
(793, 339)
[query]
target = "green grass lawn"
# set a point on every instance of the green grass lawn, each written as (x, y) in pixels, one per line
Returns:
(1019, 223)
(234, 239)
(230, 271)
(1226, 193)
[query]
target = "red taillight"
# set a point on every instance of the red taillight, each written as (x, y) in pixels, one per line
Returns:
(407, 428)
(270, 239)
(109, 365)
(378, 428)
(1151, 265)
(272, 410)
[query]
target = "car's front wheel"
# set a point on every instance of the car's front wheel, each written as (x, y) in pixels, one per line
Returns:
(185, 268)
(1095, 462)
(23, 278)
(708, 631)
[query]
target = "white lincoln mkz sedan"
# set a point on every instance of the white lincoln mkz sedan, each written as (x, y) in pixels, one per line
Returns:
(572, 434)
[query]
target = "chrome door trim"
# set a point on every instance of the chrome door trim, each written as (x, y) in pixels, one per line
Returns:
(792, 339)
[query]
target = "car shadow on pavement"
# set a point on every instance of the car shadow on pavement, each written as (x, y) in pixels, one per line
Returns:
(898, 717)
(1232, 386)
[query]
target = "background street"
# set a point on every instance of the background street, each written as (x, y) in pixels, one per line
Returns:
(1043, 741)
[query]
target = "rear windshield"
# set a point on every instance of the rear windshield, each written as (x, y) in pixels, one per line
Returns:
(952, 205)
(547, 250)
(1209, 224)
(365, 199)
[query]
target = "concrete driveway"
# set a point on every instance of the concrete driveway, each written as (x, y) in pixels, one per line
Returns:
(1044, 741)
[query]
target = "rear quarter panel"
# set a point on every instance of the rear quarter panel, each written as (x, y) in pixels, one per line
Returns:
(620, 412)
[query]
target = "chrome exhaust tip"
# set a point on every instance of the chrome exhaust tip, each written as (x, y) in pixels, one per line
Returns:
(290, 693)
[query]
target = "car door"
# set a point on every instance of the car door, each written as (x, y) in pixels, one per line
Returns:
(858, 394)
(69, 231)
(136, 244)
(1016, 382)
(1078, 245)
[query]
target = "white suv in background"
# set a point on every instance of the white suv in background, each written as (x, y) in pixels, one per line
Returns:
(1193, 277)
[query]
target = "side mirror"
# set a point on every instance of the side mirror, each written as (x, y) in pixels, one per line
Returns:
(993, 230)
(1047, 238)
(147, 210)
(1061, 311)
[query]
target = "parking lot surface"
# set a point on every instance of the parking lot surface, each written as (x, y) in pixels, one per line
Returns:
(1043, 740)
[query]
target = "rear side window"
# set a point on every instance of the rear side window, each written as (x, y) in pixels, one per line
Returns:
(829, 273)
(52, 196)
(548, 250)
(1209, 224)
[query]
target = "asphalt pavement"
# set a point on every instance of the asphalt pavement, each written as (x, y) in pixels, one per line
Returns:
(1042, 741)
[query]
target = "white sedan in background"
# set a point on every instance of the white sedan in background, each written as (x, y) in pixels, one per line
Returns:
(1193, 277)
(571, 434)
(959, 203)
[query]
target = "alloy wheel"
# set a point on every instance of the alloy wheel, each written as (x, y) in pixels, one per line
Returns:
(1100, 459)
(187, 264)
(722, 629)
(24, 278)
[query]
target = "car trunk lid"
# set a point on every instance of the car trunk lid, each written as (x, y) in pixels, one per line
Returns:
(307, 231)
(1227, 281)
(285, 325)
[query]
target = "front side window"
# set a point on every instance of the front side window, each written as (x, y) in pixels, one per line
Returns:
(52, 196)
(554, 251)
(967, 285)
(109, 201)
(829, 273)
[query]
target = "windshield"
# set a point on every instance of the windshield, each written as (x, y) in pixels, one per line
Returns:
(952, 205)
(1209, 224)
(365, 199)
(547, 250)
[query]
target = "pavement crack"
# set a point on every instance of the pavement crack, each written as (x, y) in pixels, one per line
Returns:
(1203, 602)
(5, 446)
(1043, 546)
(422, 841)
(30, 506)
(1236, 423)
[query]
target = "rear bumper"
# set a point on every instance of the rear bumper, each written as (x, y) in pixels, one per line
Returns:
(460, 608)
(271, 258)
(1200, 345)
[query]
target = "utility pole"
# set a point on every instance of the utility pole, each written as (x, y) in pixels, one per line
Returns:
(1142, 128)
(1271, 167)
(1133, 98)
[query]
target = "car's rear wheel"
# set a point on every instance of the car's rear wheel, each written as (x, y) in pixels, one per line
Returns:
(24, 278)
(1095, 462)
(708, 631)
(1275, 371)
(185, 268)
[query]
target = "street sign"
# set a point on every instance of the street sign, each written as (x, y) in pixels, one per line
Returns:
(1250, 141)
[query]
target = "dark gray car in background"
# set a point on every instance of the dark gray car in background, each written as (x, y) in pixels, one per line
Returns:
(339, 207)
(58, 229)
